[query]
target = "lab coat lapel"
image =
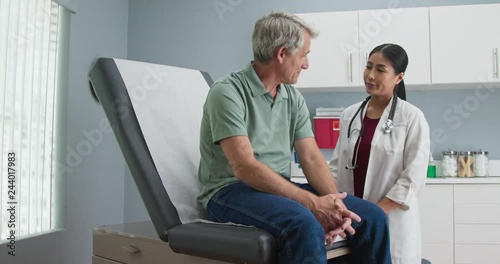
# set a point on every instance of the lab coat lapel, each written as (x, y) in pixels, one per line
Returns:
(355, 128)
(383, 119)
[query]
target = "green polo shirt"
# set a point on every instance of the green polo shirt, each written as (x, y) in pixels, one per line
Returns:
(239, 105)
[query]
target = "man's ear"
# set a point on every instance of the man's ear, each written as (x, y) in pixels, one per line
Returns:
(280, 54)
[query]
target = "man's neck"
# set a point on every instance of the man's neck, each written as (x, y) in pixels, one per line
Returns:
(268, 77)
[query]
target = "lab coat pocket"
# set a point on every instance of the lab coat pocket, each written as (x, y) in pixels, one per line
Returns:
(395, 141)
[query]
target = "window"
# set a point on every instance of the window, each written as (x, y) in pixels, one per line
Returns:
(30, 56)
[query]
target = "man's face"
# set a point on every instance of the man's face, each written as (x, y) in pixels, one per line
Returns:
(294, 63)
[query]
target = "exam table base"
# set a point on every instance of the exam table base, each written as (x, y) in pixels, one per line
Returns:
(137, 243)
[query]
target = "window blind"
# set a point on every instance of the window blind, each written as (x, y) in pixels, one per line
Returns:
(29, 45)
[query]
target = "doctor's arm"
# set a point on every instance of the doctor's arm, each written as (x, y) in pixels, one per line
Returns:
(415, 159)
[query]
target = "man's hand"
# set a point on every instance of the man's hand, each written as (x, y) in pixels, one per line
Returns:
(331, 235)
(333, 215)
(329, 208)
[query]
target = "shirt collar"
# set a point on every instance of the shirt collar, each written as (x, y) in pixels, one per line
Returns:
(256, 86)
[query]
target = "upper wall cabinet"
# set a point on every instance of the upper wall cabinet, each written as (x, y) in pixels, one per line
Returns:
(332, 62)
(407, 27)
(464, 43)
(445, 45)
(339, 55)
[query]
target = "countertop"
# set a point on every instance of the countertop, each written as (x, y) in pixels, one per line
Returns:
(441, 180)
(494, 170)
(460, 180)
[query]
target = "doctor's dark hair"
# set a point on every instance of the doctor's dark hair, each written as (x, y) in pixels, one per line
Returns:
(399, 59)
(278, 29)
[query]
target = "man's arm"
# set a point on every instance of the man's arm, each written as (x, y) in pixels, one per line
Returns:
(315, 167)
(239, 152)
(320, 178)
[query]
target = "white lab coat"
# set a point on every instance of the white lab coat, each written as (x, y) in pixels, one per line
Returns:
(397, 170)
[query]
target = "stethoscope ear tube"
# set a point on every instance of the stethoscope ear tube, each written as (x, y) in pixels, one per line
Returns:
(360, 109)
(387, 127)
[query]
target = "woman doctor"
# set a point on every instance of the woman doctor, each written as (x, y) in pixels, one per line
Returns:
(383, 150)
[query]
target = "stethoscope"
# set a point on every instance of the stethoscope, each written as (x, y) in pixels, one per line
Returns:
(387, 128)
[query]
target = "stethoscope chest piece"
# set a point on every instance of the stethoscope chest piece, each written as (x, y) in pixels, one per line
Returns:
(388, 126)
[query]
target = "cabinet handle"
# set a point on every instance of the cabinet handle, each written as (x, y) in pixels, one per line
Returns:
(350, 67)
(131, 249)
(366, 58)
(495, 62)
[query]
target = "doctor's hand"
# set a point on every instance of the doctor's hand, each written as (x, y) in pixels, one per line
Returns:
(387, 205)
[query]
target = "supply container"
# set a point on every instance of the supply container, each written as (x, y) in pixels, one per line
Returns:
(466, 164)
(449, 164)
(431, 167)
(326, 131)
(327, 127)
(481, 163)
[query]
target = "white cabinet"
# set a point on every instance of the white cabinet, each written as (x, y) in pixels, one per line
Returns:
(436, 216)
(332, 61)
(477, 223)
(445, 45)
(407, 27)
(339, 54)
(464, 43)
(461, 222)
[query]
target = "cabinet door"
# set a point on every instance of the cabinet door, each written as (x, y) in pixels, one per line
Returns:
(477, 223)
(334, 56)
(436, 212)
(477, 254)
(464, 41)
(407, 27)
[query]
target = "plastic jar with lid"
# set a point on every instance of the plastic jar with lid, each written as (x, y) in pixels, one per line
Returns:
(449, 164)
(466, 164)
(481, 166)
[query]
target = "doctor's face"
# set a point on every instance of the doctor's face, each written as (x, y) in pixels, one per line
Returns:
(379, 76)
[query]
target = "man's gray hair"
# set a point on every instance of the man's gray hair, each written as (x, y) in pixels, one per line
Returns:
(279, 29)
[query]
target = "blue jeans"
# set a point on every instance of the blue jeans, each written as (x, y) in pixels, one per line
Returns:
(301, 238)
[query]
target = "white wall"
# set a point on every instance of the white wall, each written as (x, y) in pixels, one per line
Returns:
(94, 187)
(215, 35)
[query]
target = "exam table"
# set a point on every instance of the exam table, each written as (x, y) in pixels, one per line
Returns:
(155, 112)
